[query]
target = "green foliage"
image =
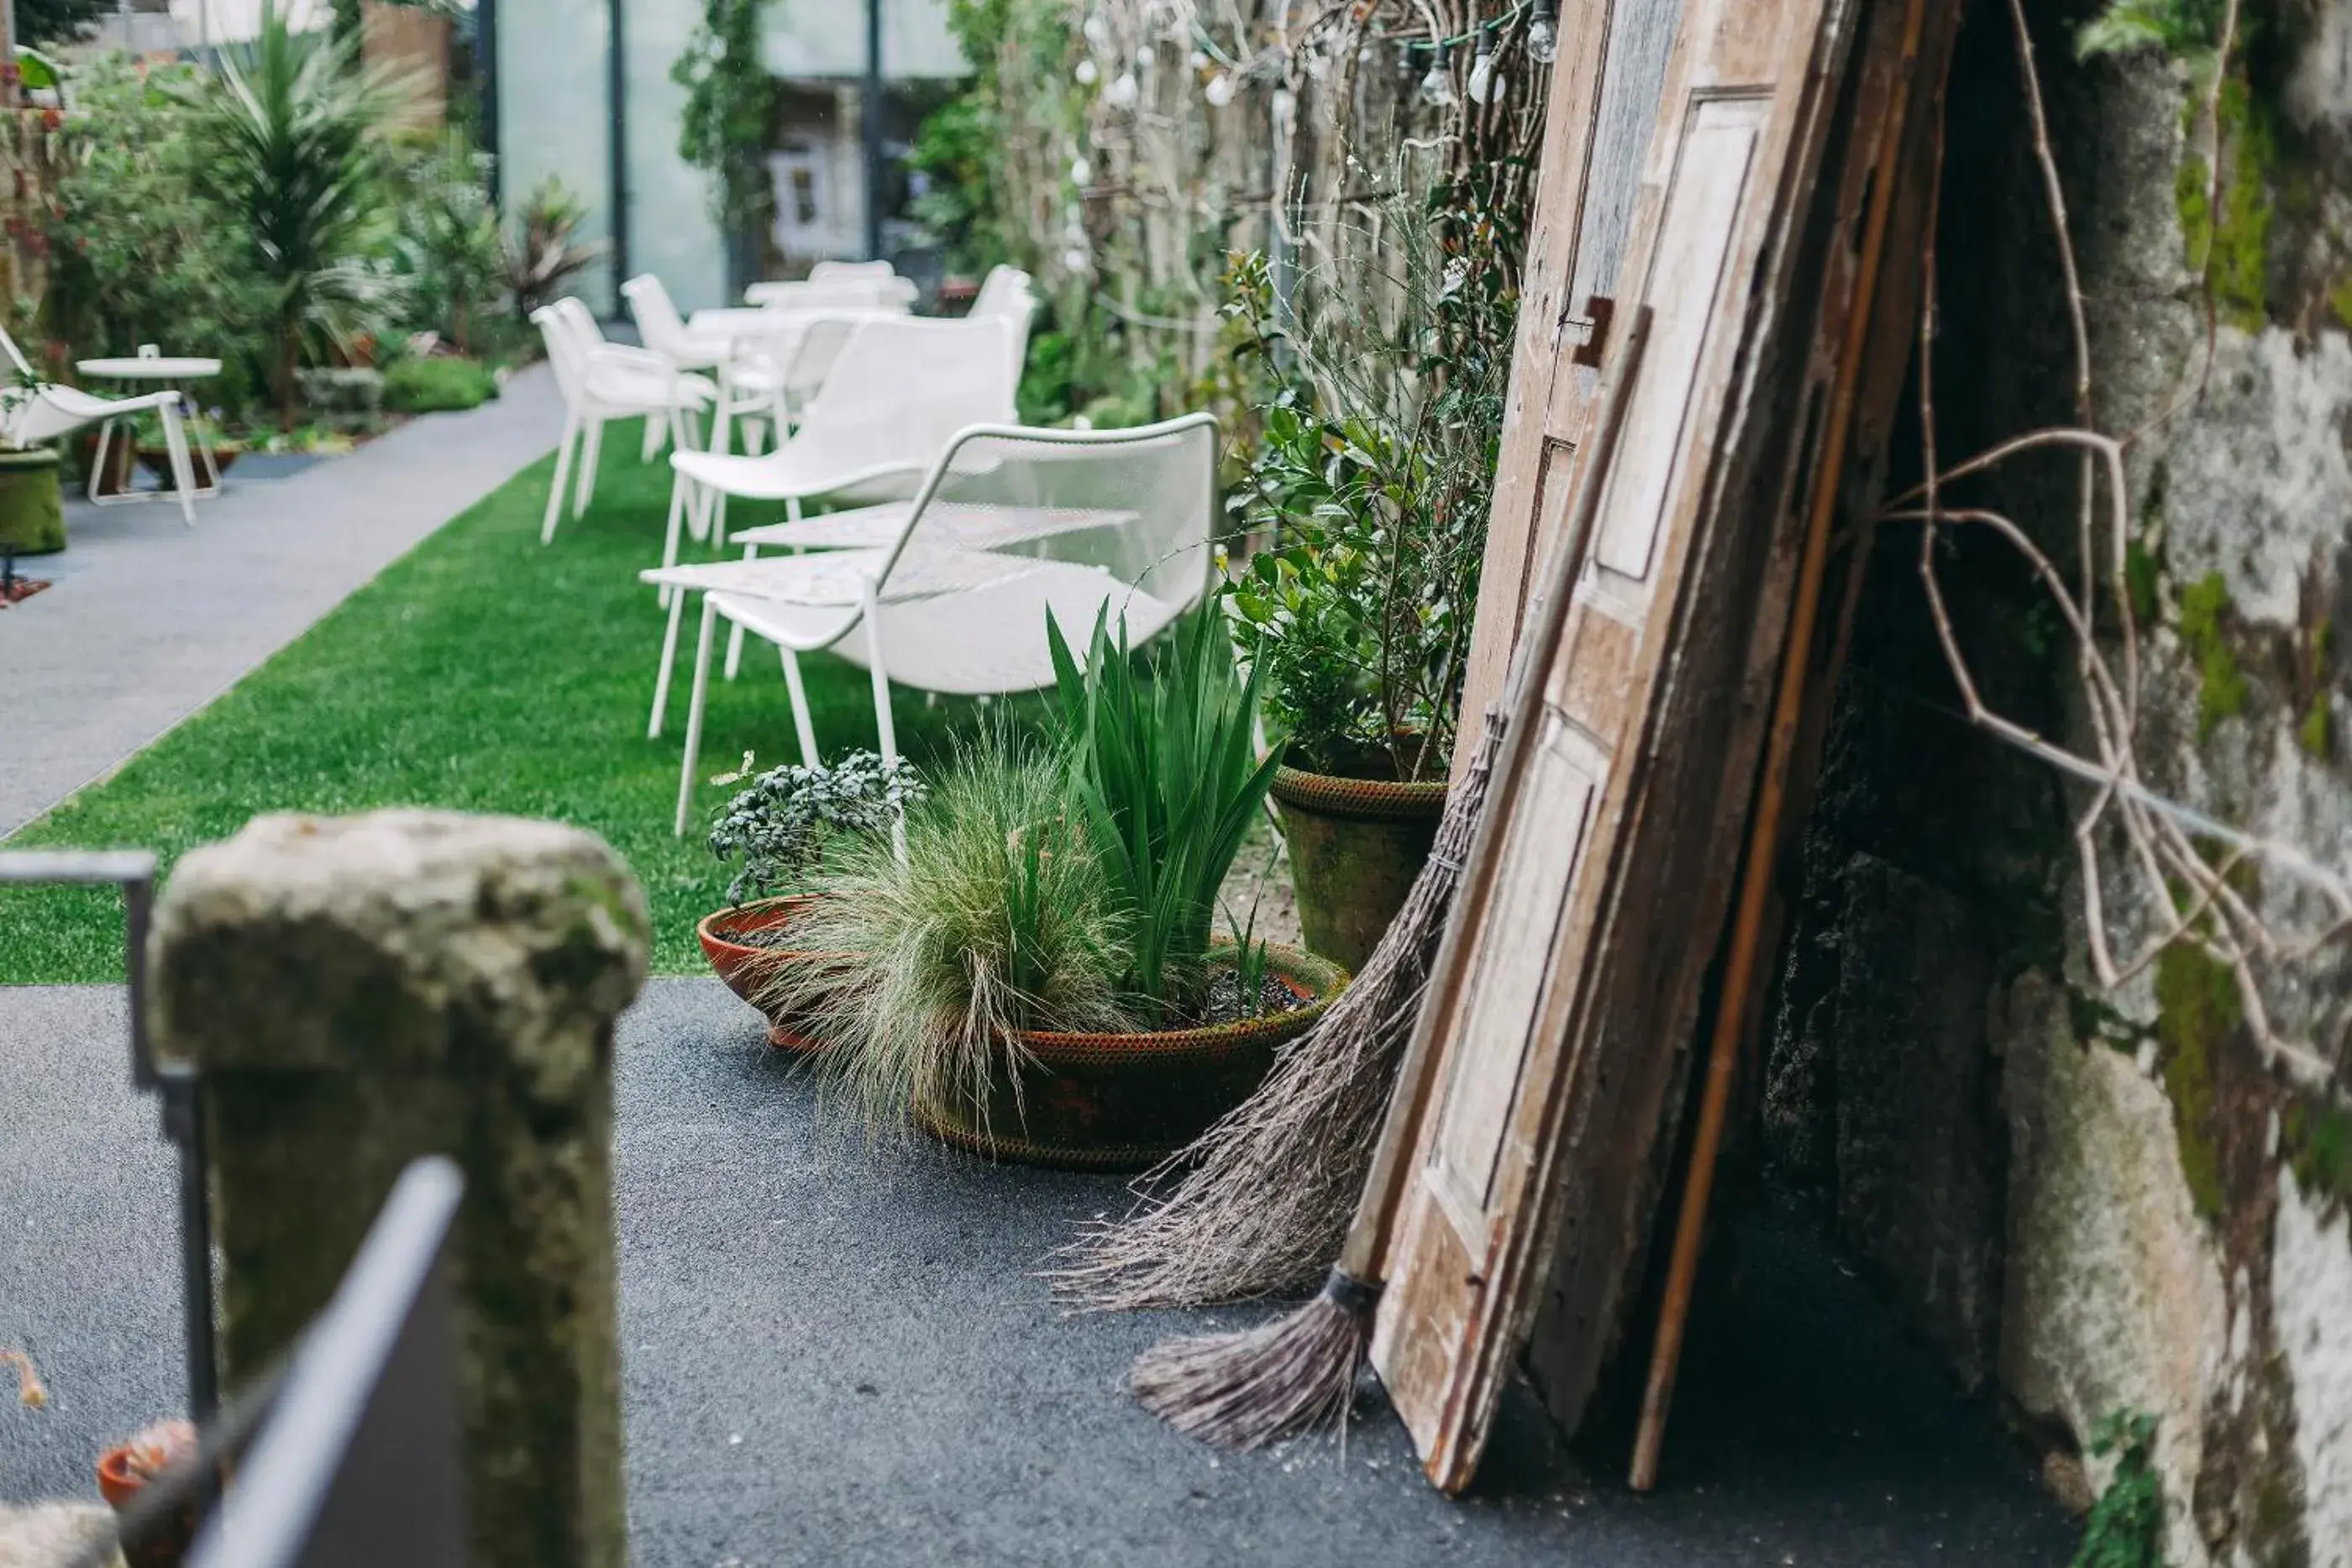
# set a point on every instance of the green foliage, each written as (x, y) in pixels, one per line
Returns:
(545, 251)
(1164, 777)
(138, 255)
(2198, 1012)
(291, 145)
(2141, 570)
(2221, 685)
(730, 102)
(2318, 1140)
(2185, 29)
(1375, 480)
(952, 150)
(781, 825)
(448, 245)
(2125, 1527)
(438, 384)
(916, 968)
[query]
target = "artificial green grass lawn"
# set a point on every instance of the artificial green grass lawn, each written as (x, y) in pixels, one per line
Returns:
(483, 672)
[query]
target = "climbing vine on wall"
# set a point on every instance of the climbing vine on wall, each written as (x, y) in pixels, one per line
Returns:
(729, 102)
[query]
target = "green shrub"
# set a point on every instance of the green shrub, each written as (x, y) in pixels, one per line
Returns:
(437, 385)
(915, 969)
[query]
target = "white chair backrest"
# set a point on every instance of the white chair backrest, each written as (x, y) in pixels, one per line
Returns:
(1155, 487)
(563, 352)
(16, 358)
(901, 388)
(1005, 294)
(656, 314)
(826, 270)
(837, 293)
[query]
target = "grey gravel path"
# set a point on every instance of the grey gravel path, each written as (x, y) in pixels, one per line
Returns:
(149, 620)
(834, 1356)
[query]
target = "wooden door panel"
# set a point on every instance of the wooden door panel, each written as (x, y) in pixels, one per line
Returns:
(1702, 207)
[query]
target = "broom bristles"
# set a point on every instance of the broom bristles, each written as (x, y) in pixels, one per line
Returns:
(1262, 1200)
(1292, 1375)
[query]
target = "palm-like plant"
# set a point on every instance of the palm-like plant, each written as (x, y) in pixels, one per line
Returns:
(1165, 775)
(291, 133)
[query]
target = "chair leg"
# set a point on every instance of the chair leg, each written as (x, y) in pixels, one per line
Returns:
(592, 448)
(735, 631)
(650, 446)
(562, 469)
(183, 473)
(800, 722)
(668, 661)
(694, 713)
(888, 731)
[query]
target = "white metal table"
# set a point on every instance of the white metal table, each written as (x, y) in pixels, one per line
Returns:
(174, 371)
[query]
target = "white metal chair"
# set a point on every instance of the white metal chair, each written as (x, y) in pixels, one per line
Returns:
(827, 271)
(602, 382)
(37, 411)
(750, 386)
(900, 390)
(1005, 294)
(940, 616)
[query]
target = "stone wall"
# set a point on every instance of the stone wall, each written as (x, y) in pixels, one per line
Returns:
(2103, 1202)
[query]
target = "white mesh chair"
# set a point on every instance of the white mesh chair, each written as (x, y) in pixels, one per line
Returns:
(749, 383)
(1010, 525)
(900, 389)
(602, 382)
(37, 410)
(1005, 294)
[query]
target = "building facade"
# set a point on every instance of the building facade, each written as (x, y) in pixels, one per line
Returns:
(581, 90)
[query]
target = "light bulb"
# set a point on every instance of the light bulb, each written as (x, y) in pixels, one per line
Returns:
(1122, 91)
(1437, 87)
(1081, 171)
(1219, 91)
(1481, 72)
(1074, 259)
(1088, 73)
(1543, 33)
(1097, 30)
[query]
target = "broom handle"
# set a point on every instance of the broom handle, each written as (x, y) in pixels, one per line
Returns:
(1523, 692)
(1763, 839)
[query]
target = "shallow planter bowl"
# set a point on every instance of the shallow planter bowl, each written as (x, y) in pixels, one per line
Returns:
(1126, 1102)
(1356, 846)
(744, 968)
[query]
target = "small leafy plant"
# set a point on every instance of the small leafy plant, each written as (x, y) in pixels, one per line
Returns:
(1163, 771)
(2125, 1527)
(781, 824)
(437, 384)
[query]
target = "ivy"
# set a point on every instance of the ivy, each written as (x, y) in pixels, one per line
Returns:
(2126, 1528)
(731, 99)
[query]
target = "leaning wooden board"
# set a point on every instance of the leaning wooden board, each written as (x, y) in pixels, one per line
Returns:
(1565, 999)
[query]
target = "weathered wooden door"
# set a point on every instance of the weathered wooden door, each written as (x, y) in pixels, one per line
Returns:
(1584, 948)
(1613, 65)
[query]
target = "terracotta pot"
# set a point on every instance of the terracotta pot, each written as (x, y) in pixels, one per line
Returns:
(1356, 846)
(121, 1486)
(744, 968)
(1126, 1102)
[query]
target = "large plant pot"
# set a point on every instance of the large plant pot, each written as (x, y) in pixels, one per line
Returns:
(746, 967)
(1126, 1102)
(32, 508)
(121, 1486)
(1356, 846)
(122, 459)
(157, 460)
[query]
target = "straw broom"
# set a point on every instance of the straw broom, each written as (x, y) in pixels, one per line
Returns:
(1299, 1372)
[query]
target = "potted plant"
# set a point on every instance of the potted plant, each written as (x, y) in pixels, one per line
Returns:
(126, 1468)
(1372, 479)
(777, 829)
(1036, 977)
(32, 508)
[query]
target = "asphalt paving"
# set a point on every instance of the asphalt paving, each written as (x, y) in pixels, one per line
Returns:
(835, 1351)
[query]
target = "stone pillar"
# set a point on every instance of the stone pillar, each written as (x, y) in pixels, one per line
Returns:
(359, 991)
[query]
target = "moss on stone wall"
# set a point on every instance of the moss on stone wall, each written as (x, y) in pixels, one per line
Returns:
(2221, 685)
(2198, 1012)
(2318, 1136)
(2231, 248)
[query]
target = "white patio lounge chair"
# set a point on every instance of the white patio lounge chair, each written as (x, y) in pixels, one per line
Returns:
(602, 382)
(37, 410)
(1121, 519)
(899, 391)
